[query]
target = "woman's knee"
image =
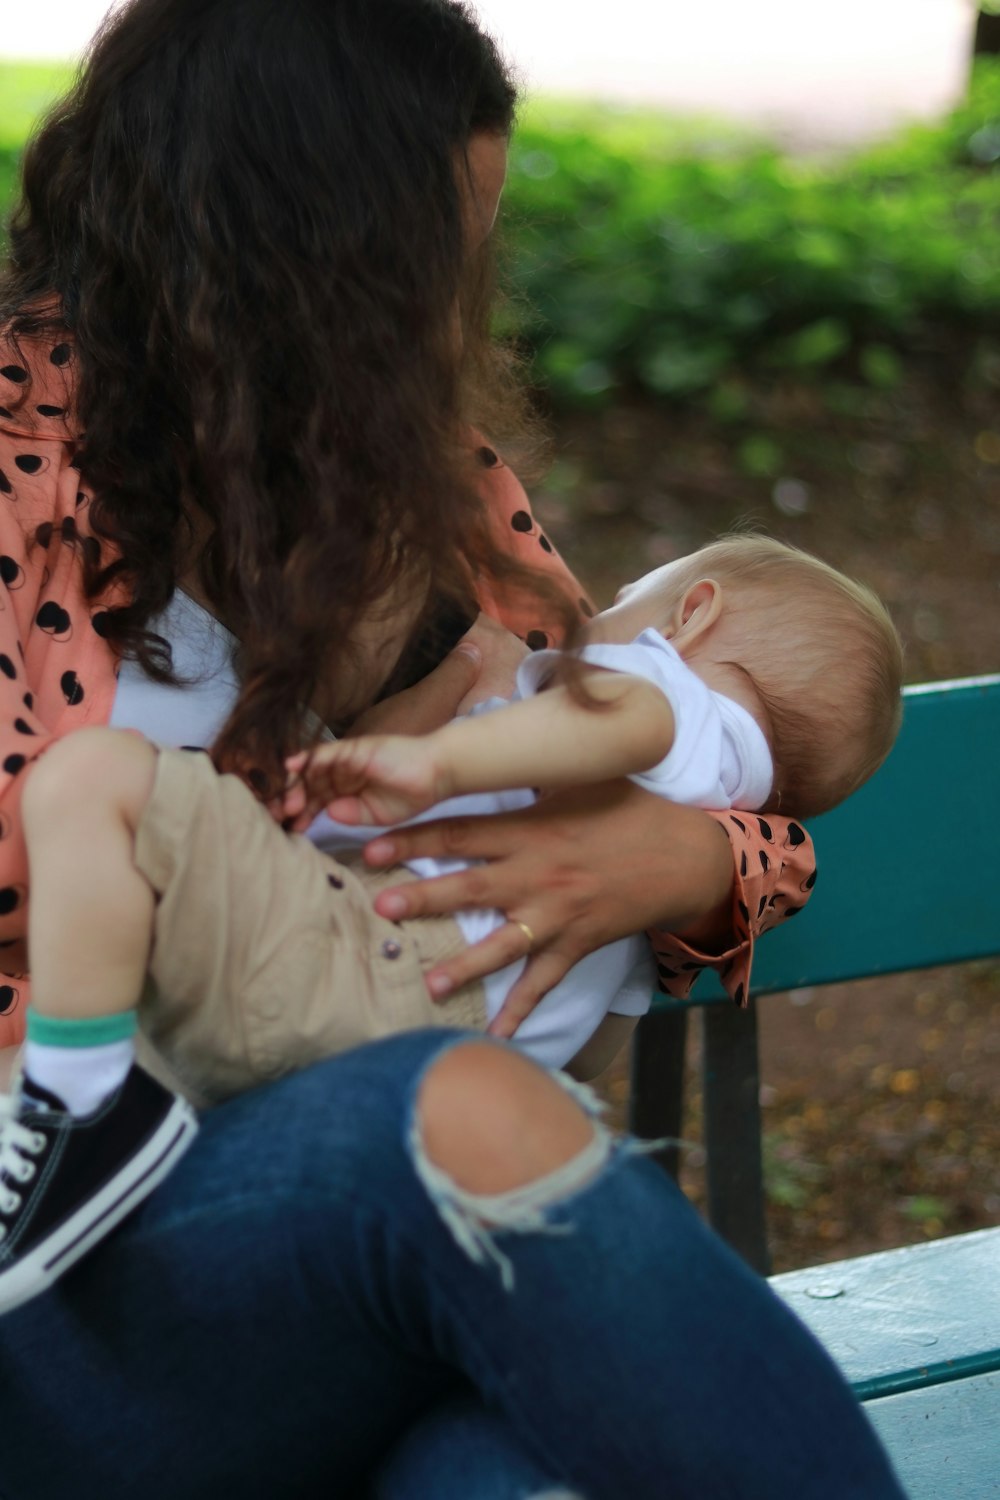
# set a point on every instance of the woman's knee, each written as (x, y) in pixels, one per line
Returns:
(494, 1121)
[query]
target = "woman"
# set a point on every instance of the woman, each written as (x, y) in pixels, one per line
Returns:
(252, 258)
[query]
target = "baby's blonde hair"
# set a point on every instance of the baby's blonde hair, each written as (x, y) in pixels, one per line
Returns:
(824, 658)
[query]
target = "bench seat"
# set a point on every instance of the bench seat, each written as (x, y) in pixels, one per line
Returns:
(917, 1333)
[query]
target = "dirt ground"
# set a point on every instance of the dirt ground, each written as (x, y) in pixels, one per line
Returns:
(880, 1098)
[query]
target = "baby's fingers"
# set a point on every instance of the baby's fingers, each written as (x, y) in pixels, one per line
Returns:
(351, 810)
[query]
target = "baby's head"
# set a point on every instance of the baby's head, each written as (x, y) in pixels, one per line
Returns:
(812, 654)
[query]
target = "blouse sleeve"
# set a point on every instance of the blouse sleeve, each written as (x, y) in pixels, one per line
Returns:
(56, 672)
(773, 857)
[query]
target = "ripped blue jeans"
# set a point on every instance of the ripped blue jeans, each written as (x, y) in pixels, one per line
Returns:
(310, 1307)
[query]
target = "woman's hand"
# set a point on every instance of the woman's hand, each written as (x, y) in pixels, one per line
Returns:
(434, 700)
(575, 871)
(482, 665)
(502, 653)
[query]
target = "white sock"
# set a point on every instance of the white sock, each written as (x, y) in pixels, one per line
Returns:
(82, 1077)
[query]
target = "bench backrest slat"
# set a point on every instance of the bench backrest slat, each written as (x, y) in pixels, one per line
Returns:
(907, 866)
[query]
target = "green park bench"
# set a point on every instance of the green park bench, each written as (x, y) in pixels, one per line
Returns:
(917, 1331)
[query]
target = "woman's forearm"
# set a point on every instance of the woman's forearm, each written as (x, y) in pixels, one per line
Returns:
(553, 740)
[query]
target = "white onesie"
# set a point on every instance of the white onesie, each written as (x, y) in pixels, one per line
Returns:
(719, 759)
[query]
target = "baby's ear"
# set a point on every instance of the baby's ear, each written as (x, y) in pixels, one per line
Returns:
(696, 613)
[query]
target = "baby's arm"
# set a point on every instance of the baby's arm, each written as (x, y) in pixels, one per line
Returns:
(549, 741)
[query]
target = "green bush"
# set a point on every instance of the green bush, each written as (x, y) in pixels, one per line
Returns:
(682, 259)
(643, 257)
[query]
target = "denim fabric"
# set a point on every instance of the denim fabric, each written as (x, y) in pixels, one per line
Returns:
(284, 1313)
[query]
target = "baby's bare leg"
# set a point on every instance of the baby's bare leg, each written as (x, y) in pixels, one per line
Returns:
(91, 915)
(88, 1134)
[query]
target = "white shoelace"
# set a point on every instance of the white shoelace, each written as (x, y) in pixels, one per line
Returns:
(17, 1144)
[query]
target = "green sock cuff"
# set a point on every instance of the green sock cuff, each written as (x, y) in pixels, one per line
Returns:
(89, 1031)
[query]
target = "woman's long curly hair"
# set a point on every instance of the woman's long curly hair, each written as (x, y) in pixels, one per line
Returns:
(248, 215)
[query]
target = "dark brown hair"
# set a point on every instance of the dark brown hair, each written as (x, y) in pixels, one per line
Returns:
(246, 213)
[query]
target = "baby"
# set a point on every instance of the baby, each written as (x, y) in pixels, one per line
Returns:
(747, 675)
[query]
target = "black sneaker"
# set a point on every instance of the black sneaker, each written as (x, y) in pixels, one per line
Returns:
(65, 1183)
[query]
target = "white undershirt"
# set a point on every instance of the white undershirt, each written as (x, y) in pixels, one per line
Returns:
(617, 977)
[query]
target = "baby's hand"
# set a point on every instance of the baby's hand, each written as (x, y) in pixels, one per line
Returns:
(376, 779)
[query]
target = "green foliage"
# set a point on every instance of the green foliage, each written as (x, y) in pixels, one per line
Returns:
(680, 260)
(684, 258)
(27, 90)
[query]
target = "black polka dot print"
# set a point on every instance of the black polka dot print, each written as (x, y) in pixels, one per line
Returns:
(4, 412)
(6, 488)
(8, 996)
(10, 900)
(545, 544)
(335, 881)
(43, 533)
(14, 763)
(72, 691)
(7, 667)
(11, 572)
(765, 829)
(60, 354)
(100, 623)
(23, 727)
(796, 835)
(15, 373)
(521, 521)
(536, 640)
(54, 620)
(488, 458)
(51, 411)
(29, 700)
(30, 463)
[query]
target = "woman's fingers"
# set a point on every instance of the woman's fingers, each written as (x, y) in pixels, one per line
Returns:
(500, 948)
(477, 887)
(452, 838)
(542, 973)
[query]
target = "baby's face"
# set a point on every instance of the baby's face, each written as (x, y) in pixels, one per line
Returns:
(650, 603)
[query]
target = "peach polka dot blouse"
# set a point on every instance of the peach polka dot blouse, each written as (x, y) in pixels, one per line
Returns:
(57, 673)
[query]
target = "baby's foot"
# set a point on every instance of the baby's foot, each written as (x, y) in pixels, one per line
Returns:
(65, 1182)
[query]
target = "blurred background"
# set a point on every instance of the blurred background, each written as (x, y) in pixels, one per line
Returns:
(751, 251)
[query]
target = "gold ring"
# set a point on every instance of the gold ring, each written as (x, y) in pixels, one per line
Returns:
(527, 932)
